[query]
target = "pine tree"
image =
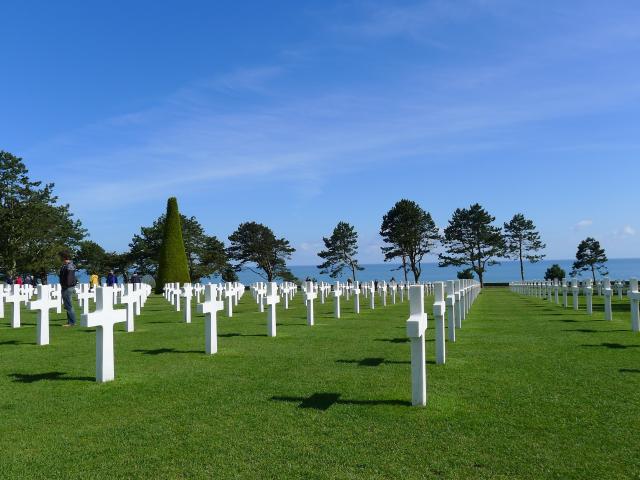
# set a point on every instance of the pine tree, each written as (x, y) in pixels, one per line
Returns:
(472, 240)
(409, 233)
(173, 265)
(590, 257)
(340, 251)
(523, 241)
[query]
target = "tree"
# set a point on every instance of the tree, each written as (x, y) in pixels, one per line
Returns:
(206, 255)
(340, 251)
(555, 272)
(471, 239)
(33, 226)
(256, 244)
(410, 233)
(466, 274)
(522, 241)
(120, 263)
(590, 257)
(172, 265)
(91, 257)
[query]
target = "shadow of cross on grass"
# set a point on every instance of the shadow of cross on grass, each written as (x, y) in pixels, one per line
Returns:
(376, 362)
(38, 377)
(160, 351)
(324, 401)
(611, 345)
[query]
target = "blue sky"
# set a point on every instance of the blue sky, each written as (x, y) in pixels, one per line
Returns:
(301, 114)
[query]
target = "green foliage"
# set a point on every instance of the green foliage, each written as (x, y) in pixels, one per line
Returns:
(410, 233)
(590, 257)
(91, 257)
(254, 243)
(172, 265)
(555, 272)
(33, 226)
(522, 241)
(206, 255)
(466, 274)
(471, 239)
(340, 251)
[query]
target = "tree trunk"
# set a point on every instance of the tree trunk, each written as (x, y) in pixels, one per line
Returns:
(404, 267)
(353, 272)
(521, 268)
(593, 273)
(480, 278)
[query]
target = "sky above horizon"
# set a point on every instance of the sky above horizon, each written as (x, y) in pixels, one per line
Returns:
(301, 114)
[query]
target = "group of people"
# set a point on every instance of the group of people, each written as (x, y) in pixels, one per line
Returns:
(20, 280)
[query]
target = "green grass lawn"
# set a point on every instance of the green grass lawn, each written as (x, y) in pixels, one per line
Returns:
(530, 390)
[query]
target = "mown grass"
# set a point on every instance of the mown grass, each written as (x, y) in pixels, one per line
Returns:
(530, 390)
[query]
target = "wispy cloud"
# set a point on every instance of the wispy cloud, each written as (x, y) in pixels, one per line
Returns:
(582, 224)
(625, 232)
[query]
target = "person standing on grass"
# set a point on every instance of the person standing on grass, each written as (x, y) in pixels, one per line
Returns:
(111, 279)
(94, 280)
(68, 282)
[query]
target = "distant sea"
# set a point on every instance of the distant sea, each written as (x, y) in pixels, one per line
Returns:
(619, 268)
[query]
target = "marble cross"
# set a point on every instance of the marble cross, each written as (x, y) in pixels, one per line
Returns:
(439, 308)
(356, 297)
(271, 300)
(210, 307)
(16, 298)
(575, 290)
(127, 297)
(104, 318)
(608, 293)
(337, 293)
(588, 292)
(451, 309)
(309, 296)
(229, 291)
(84, 294)
(416, 326)
(372, 299)
(187, 294)
(634, 297)
(43, 304)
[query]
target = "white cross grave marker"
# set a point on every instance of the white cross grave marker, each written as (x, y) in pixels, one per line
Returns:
(43, 304)
(451, 308)
(356, 297)
(127, 297)
(104, 319)
(608, 293)
(439, 308)
(271, 300)
(337, 293)
(16, 298)
(634, 297)
(210, 307)
(416, 325)
(187, 294)
(309, 296)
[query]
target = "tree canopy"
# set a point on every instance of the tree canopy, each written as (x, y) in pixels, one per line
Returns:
(522, 241)
(555, 272)
(254, 243)
(172, 264)
(409, 233)
(34, 227)
(206, 255)
(340, 251)
(590, 257)
(471, 239)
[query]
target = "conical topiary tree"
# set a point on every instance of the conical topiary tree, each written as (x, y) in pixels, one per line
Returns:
(172, 264)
